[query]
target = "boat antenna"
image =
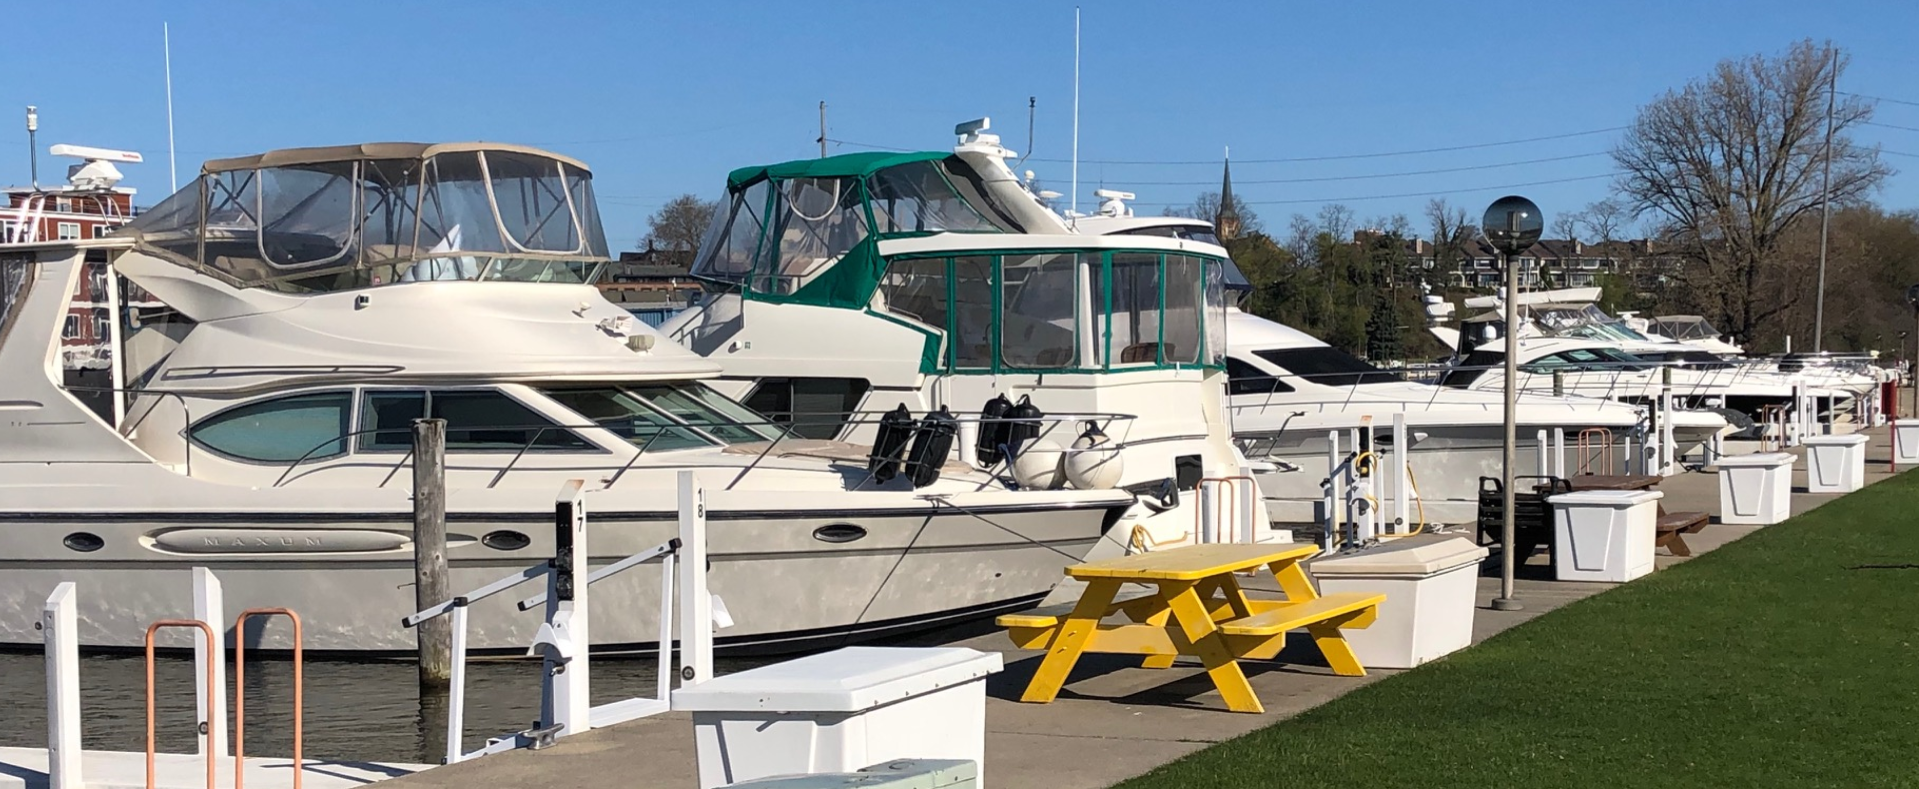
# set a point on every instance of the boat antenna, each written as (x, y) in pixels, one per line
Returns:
(33, 153)
(166, 46)
(1031, 102)
(822, 130)
(1073, 210)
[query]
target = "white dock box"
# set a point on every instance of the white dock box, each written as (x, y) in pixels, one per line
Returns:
(841, 711)
(1755, 489)
(1905, 442)
(1836, 464)
(1604, 535)
(1430, 582)
(903, 774)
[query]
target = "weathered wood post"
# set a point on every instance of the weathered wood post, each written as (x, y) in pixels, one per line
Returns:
(434, 636)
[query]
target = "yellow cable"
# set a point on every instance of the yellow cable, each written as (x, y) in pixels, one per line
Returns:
(1418, 500)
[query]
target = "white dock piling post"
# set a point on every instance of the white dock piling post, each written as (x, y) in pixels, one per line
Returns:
(1245, 496)
(1402, 475)
(696, 602)
(567, 610)
(663, 670)
(209, 606)
(1543, 460)
(1330, 537)
(456, 685)
(57, 629)
(1559, 452)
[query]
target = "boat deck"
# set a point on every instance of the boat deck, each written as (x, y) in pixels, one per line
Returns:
(1114, 721)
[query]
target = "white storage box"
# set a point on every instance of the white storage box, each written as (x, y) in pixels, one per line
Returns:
(1755, 489)
(1836, 464)
(904, 774)
(841, 711)
(1905, 442)
(1604, 535)
(1430, 582)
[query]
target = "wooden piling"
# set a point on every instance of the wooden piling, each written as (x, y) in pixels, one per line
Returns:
(434, 637)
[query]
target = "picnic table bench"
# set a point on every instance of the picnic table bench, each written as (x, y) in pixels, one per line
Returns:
(1197, 609)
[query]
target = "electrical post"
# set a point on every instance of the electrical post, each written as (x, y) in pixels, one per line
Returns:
(1512, 224)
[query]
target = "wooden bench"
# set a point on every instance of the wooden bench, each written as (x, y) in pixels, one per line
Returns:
(1672, 528)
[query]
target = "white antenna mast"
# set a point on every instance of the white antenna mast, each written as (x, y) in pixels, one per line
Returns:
(166, 43)
(1073, 211)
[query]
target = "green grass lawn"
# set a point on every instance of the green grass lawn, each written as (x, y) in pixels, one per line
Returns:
(1788, 658)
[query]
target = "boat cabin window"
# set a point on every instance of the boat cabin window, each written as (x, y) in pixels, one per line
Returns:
(917, 198)
(281, 430)
(812, 407)
(1585, 360)
(1463, 373)
(1326, 366)
(476, 421)
(1064, 310)
(1242, 378)
(666, 416)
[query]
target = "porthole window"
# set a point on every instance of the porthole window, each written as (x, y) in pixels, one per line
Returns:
(281, 430)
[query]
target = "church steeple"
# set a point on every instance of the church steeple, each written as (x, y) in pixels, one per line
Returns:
(1226, 223)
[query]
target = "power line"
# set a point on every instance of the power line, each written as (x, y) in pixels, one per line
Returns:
(1290, 159)
(1880, 98)
(1897, 153)
(1374, 176)
(1438, 193)
(1892, 126)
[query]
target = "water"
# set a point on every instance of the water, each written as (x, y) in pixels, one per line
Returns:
(357, 710)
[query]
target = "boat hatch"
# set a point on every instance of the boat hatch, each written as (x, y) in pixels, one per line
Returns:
(327, 219)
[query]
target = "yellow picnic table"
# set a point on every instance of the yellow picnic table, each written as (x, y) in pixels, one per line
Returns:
(1197, 609)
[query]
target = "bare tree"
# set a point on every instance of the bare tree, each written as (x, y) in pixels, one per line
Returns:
(1206, 206)
(1605, 220)
(1301, 235)
(1452, 232)
(1732, 161)
(680, 223)
(1337, 220)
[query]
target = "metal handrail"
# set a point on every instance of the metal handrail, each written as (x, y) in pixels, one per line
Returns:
(212, 649)
(240, 693)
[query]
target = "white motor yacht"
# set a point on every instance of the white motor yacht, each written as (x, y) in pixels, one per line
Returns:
(859, 283)
(307, 305)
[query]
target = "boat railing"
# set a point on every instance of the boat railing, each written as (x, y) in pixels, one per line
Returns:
(126, 430)
(782, 433)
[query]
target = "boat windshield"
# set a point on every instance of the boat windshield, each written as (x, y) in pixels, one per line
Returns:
(665, 416)
(1326, 366)
(327, 219)
(1685, 327)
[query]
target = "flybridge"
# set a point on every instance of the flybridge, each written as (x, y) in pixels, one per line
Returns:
(309, 220)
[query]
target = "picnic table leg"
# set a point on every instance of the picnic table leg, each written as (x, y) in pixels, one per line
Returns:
(1676, 542)
(1293, 581)
(1071, 639)
(1159, 619)
(1332, 644)
(1197, 625)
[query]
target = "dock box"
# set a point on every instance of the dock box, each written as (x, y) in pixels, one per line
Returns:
(1430, 582)
(1836, 464)
(1755, 489)
(1605, 535)
(841, 711)
(904, 774)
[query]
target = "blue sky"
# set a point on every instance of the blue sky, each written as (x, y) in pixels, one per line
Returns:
(665, 98)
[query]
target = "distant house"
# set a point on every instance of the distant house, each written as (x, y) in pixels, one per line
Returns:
(652, 283)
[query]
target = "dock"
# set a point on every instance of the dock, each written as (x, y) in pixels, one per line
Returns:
(1115, 720)
(26, 768)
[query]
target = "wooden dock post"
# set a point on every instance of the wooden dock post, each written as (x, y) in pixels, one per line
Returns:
(433, 637)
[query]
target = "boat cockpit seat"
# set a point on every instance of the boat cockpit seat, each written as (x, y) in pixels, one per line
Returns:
(1145, 352)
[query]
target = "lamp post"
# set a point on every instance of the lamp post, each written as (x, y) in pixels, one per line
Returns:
(1912, 297)
(1512, 224)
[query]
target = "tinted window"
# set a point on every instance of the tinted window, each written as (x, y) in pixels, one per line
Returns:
(279, 431)
(1463, 374)
(1326, 366)
(475, 421)
(815, 407)
(1243, 378)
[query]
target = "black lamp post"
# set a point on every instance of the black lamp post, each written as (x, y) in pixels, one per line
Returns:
(1512, 225)
(1912, 297)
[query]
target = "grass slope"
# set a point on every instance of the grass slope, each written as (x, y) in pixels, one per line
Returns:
(1788, 658)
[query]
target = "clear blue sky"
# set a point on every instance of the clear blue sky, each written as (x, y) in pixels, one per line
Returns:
(664, 98)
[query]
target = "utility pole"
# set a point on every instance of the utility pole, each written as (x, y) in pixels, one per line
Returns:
(1825, 206)
(1032, 104)
(822, 130)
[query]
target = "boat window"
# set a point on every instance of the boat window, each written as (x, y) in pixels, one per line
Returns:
(1129, 331)
(701, 407)
(733, 241)
(1326, 366)
(306, 214)
(1242, 378)
(916, 198)
(972, 335)
(629, 418)
(1218, 282)
(530, 197)
(916, 289)
(1468, 370)
(812, 407)
(815, 221)
(14, 277)
(1039, 315)
(476, 421)
(1184, 310)
(281, 430)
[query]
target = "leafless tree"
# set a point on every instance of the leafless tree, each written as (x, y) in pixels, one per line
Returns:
(1732, 161)
(680, 223)
(1604, 220)
(1301, 235)
(1452, 232)
(1336, 220)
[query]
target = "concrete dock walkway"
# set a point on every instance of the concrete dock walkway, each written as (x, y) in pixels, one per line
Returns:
(1114, 720)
